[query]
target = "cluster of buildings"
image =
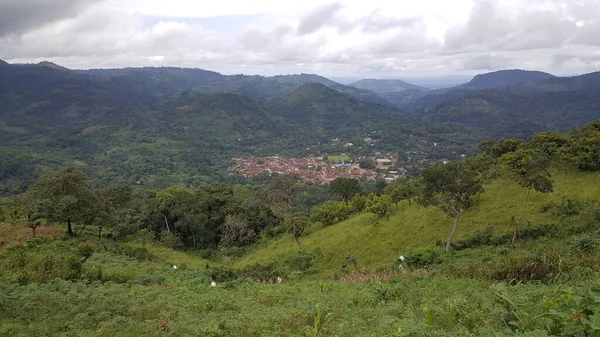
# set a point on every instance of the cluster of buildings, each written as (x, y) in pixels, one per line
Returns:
(310, 169)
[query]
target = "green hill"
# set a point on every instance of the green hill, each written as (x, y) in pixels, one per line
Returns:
(378, 245)
(386, 86)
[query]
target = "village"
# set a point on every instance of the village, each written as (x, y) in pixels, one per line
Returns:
(322, 170)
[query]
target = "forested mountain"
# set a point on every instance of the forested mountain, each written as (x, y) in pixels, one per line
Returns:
(556, 103)
(396, 92)
(505, 78)
(161, 126)
(493, 80)
(386, 86)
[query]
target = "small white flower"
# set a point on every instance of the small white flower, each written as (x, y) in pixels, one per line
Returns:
(279, 279)
(174, 267)
(213, 284)
(402, 258)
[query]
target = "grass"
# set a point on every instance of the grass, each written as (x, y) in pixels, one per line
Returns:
(413, 226)
(470, 292)
(339, 158)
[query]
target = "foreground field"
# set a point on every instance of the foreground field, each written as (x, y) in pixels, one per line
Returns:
(347, 281)
(135, 298)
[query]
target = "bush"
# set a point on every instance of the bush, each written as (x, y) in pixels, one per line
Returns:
(171, 240)
(138, 253)
(482, 237)
(85, 249)
(423, 257)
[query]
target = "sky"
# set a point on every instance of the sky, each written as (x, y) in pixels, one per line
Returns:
(358, 38)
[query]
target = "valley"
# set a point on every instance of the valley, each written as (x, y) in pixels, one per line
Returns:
(174, 201)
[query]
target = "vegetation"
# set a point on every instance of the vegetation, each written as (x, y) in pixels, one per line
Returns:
(129, 240)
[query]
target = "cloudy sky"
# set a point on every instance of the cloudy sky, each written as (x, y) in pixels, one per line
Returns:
(363, 38)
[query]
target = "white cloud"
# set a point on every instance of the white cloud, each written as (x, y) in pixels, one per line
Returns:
(346, 37)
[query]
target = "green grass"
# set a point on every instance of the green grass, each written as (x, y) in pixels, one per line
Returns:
(379, 245)
(468, 292)
(337, 159)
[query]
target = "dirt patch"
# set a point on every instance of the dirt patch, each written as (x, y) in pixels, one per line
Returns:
(14, 234)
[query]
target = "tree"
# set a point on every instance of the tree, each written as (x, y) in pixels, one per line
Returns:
(113, 205)
(584, 148)
(379, 205)
(63, 195)
(450, 188)
(402, 189)
(300, 224)
(236, 231)
(346, 188)
(331, 212)
(280, 196)
(529, 168)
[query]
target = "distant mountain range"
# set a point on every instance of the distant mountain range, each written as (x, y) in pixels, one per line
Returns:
(160, 126)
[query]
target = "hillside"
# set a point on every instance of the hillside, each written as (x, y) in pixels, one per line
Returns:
(348, 281)
(505, 78)
(128, 126)
(514, 113)
(385, 86)
(497, 80)
(412, 226)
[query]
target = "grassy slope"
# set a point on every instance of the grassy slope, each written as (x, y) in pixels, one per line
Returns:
(413, 226)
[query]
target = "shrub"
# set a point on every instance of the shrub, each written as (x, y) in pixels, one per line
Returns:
(85, 249)
(138, 253)
(171, 240)
(423, 257)
(481, 238)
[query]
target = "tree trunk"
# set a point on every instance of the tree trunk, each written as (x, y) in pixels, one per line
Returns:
(458, 213)
(100, 232)
(166, 222)
(69, 228)
(514, 238)
(297, 237)
(33, 230)
(296, 234)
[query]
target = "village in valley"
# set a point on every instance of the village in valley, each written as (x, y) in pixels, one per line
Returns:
(323, 169)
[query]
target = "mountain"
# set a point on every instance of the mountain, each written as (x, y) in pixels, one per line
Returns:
(520, 111)
(127, 125)
(505, 78)
(386, 86)
(515, 79)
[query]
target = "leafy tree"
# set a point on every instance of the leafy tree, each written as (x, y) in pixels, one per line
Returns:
(549, 142)
(450, 188)
(584, 148)
(113, 206)
(345, 188)
(64, 196)
(503, 146)
(529, 169)
(331, 212)
(379, 205)
(280, 196)
(358, 202)
(300, 224)
(366, 164)
(402, 189)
